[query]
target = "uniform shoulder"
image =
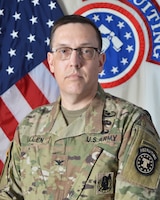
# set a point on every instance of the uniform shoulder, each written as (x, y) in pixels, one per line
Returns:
(37, 119)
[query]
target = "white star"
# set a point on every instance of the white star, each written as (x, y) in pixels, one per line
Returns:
(0, 30)
(19, 0)
(29, 55)
(102, 73)
(47, 41)
(156, 55)
(52, 5)
(120, 24)
(124, 61)
(17, 16)
(14, 34)
(12, 52)
(31, 38)
(10, 70)
(1, 12)
(127, 35)
(95, 18)
(35, 2)
(33, 20)
(114, 70)
(129, 48)
(109, 18)
(50, 23)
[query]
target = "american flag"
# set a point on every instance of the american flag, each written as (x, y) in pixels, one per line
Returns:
(25, 80)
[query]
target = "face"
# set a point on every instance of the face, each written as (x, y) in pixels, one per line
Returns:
(76, 76)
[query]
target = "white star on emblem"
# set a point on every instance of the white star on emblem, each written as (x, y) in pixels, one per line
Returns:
(29, 55)
(109, 18)
(120, 24)
(33, 20)
(114, 70)
(127, 35)
(102, 73)
(52, 5)
(10, 70)
(14, 34)
(156, 55)
(124, 61)
(129, 48)
(50, 23)
(31, 38)
(17, 16)
(12, 52)
(96, 18)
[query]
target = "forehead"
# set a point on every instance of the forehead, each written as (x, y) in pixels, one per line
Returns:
(74, 32)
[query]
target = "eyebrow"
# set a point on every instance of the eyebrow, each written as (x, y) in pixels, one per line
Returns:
(80, 45)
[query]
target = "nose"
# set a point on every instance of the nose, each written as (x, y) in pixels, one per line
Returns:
(75, 59)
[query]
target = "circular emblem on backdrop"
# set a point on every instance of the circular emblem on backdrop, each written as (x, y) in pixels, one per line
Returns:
(123, 41)
(145, 161)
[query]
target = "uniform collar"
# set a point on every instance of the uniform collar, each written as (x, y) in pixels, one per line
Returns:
(93, 115)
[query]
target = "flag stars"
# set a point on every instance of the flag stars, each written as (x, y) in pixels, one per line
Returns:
(12, 52)
(2, 12)
(29, 55)
(17, 16)
(10, 70)
(14, 34)
(47, 41)
(120, 25)
(52, 5)
(96, 18)
(50, 23)
(35, 2)
(33, 20)
(31, 38)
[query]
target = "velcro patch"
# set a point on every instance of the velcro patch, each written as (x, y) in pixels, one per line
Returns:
(104, 183)
(146, 160)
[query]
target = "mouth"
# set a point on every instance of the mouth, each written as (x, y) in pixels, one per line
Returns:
(74, 76)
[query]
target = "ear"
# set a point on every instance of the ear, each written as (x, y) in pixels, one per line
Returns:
(50, 61)
(102, 59)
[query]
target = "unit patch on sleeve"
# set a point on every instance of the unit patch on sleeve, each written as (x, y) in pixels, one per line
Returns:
(146, 160)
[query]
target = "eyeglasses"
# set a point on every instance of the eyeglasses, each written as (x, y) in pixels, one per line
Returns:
(64, 53)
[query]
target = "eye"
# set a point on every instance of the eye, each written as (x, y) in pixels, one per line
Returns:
(86, 50)
(64, 50)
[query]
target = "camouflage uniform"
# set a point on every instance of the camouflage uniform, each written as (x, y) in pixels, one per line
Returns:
(111, 152)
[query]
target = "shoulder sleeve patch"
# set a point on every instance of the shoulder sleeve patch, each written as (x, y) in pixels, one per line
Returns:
(142, 164)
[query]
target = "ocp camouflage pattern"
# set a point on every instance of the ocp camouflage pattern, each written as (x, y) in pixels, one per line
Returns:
(111, 152)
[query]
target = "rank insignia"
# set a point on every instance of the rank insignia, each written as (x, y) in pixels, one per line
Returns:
(146, 160)
(105, 183)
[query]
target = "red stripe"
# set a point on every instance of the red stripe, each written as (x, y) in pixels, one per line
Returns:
(8, 123)
(31, 92)
(1, 166)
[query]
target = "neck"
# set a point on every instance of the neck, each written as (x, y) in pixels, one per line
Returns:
(76, 102)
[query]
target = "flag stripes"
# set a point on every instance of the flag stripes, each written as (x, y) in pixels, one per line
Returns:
(28, 93)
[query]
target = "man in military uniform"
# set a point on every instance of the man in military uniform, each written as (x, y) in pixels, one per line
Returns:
(88, 145)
